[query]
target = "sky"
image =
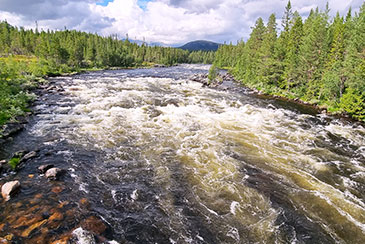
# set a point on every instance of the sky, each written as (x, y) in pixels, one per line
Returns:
(172, 22)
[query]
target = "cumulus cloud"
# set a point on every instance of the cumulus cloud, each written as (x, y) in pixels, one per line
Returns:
(53, 14)
(167, 21)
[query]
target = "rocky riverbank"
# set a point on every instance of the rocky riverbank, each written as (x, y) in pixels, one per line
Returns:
(35, 204)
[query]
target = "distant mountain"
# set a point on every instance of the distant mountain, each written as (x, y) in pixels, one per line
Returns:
(151, 44)
(200, 45)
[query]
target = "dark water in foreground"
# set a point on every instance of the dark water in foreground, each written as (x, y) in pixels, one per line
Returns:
(152, 157)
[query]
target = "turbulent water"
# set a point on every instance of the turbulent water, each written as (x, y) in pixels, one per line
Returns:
(164, 160)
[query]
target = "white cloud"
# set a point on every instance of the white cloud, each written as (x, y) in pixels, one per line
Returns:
(168, 21)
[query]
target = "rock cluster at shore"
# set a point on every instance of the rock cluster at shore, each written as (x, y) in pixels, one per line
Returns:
(203, 78)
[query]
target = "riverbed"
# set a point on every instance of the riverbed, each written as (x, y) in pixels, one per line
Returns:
(154, 157)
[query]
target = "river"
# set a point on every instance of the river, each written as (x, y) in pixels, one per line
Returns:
(153, 157)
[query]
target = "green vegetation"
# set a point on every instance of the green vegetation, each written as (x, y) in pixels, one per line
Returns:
(26, 55)
(70, 49)
(14, 84)
(213, 72)
(320, 60)
(14, 162)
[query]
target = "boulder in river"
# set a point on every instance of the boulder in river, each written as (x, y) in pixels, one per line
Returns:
(43, 168)
(53, 173)
(28, 156)
(9, 189)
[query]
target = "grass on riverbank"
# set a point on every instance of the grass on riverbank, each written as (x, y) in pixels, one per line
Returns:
(18, 76)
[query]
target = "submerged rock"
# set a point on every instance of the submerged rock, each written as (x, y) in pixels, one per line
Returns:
(43, 168)
(31, 228)
(53, 173)
(94, 224)
(9, 188)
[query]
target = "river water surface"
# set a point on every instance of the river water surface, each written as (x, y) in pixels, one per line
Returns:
(154, 157)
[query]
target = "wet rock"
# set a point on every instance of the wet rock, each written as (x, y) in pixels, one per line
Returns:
(26, 221)
(3, 241)
(10, 188)
(57, 216)
(6, 239)
(84, 202)
(57, 189)
(31, 228)
(94, 224)
(63, 240)
(83, 236)
(62, 204)
(39, 195)
(43, 168)
(28, 156)
(159, 66)
(10, 129)
(50, 88)
(53, 173)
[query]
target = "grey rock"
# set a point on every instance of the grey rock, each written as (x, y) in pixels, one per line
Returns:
(29, 156)
(43, 168)
(53, 173)
(11, 129)
(9, 189)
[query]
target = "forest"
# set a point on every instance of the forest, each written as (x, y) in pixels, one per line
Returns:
(26, 55)
(319, 60)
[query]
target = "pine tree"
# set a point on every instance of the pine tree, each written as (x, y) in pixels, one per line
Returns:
(268, 65)
(291, 61)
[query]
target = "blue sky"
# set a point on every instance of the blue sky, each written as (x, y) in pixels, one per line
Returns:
(172, 22)
(104, 2)
(141, 3)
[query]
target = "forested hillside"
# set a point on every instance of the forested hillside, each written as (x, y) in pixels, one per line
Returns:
(81, 49)
(28, 54)
(320, 60)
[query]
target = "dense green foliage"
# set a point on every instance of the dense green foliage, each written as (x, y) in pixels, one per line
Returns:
(320, 60)
(14, 162)
(14, 83)
(70, 48)
(27, 54)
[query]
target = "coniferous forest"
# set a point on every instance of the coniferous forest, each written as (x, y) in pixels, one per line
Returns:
(320, 60)
(26, 55)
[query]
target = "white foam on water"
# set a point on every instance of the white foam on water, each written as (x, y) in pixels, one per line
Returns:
(234, 206)
(83, 236)
(213, 135)
(134, 195)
